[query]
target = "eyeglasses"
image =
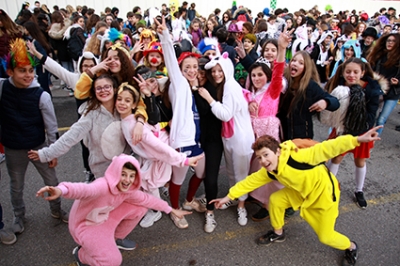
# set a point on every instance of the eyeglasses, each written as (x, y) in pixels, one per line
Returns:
(87, 66)
(107, 87)
(390, 41)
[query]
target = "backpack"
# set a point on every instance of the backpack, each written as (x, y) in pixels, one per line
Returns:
(241, 17)
(301, 144)
(75, 45)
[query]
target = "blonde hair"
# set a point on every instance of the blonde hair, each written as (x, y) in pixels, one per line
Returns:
(94, 44)
(70, 9)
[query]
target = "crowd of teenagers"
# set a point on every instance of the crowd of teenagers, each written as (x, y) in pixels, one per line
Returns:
(165, 94)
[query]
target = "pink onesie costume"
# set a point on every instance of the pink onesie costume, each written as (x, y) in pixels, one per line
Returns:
(102, 213)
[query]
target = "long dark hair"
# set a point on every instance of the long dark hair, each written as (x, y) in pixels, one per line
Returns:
(267, 71)
(338, 79)
(127, 70)
(309, 73)
(37, 34)
(218, 87)
(57, 17)
(9, 26)
(379, 51)
(91, 22)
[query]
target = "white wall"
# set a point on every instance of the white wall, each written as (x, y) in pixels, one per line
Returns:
(205, 7)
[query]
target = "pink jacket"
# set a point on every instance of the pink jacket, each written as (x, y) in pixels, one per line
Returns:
(265, 121)
(95, 202)
(156, 156)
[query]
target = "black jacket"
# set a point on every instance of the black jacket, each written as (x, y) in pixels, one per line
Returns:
(298, 123)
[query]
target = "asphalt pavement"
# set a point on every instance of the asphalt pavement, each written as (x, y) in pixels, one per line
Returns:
(46, 241)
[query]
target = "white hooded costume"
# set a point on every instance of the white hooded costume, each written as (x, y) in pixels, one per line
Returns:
(237, 132)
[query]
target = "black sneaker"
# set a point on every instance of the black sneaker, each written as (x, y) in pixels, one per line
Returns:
(60, 214)
(271, 237)
(289, 212)
(125, 244)
(261, 215)
(350, 256)
(250, 199)
(360, 200)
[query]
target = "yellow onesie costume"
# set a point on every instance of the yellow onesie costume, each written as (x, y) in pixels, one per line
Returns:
(310, 190)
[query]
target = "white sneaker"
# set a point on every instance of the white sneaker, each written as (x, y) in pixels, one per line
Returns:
(210, 223)
(7, 237)
(229, 204)
(181, 223)
(202, 200)
(242, 216)
(193, 205)
(150, 218)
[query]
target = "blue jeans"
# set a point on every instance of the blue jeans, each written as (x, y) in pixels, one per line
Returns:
(68, 65)
(17, 163)
(387, 109)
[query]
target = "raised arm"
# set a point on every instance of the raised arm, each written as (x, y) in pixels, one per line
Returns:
(275, 87)
(53, 67)
(170, 60)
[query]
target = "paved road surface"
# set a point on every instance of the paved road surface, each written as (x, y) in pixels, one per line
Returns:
(47, 242)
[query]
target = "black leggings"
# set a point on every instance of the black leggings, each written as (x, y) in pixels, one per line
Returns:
(85, 150)
(213, 152)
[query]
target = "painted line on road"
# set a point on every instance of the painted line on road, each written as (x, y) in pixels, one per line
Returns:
(243, 232)
(63, 128)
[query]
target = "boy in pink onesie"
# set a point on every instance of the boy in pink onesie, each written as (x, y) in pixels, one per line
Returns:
(106, 211)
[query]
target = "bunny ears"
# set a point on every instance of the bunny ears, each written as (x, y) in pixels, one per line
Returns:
(216, 60)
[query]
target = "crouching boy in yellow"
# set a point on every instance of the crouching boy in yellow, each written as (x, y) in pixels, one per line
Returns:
(309, 186)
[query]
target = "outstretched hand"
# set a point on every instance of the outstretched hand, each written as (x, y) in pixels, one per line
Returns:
(180, 213)
(33, 155)
(54, 192)
(220, 201)
(370, 135)
(194, 160)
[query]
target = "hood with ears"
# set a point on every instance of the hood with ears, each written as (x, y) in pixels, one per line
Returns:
(113, 173)
(86, 55)
(225, 63)
(324, 35)
(356, 47)
(342, 38)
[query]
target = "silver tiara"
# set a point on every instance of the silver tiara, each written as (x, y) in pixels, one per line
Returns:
(262, 60)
